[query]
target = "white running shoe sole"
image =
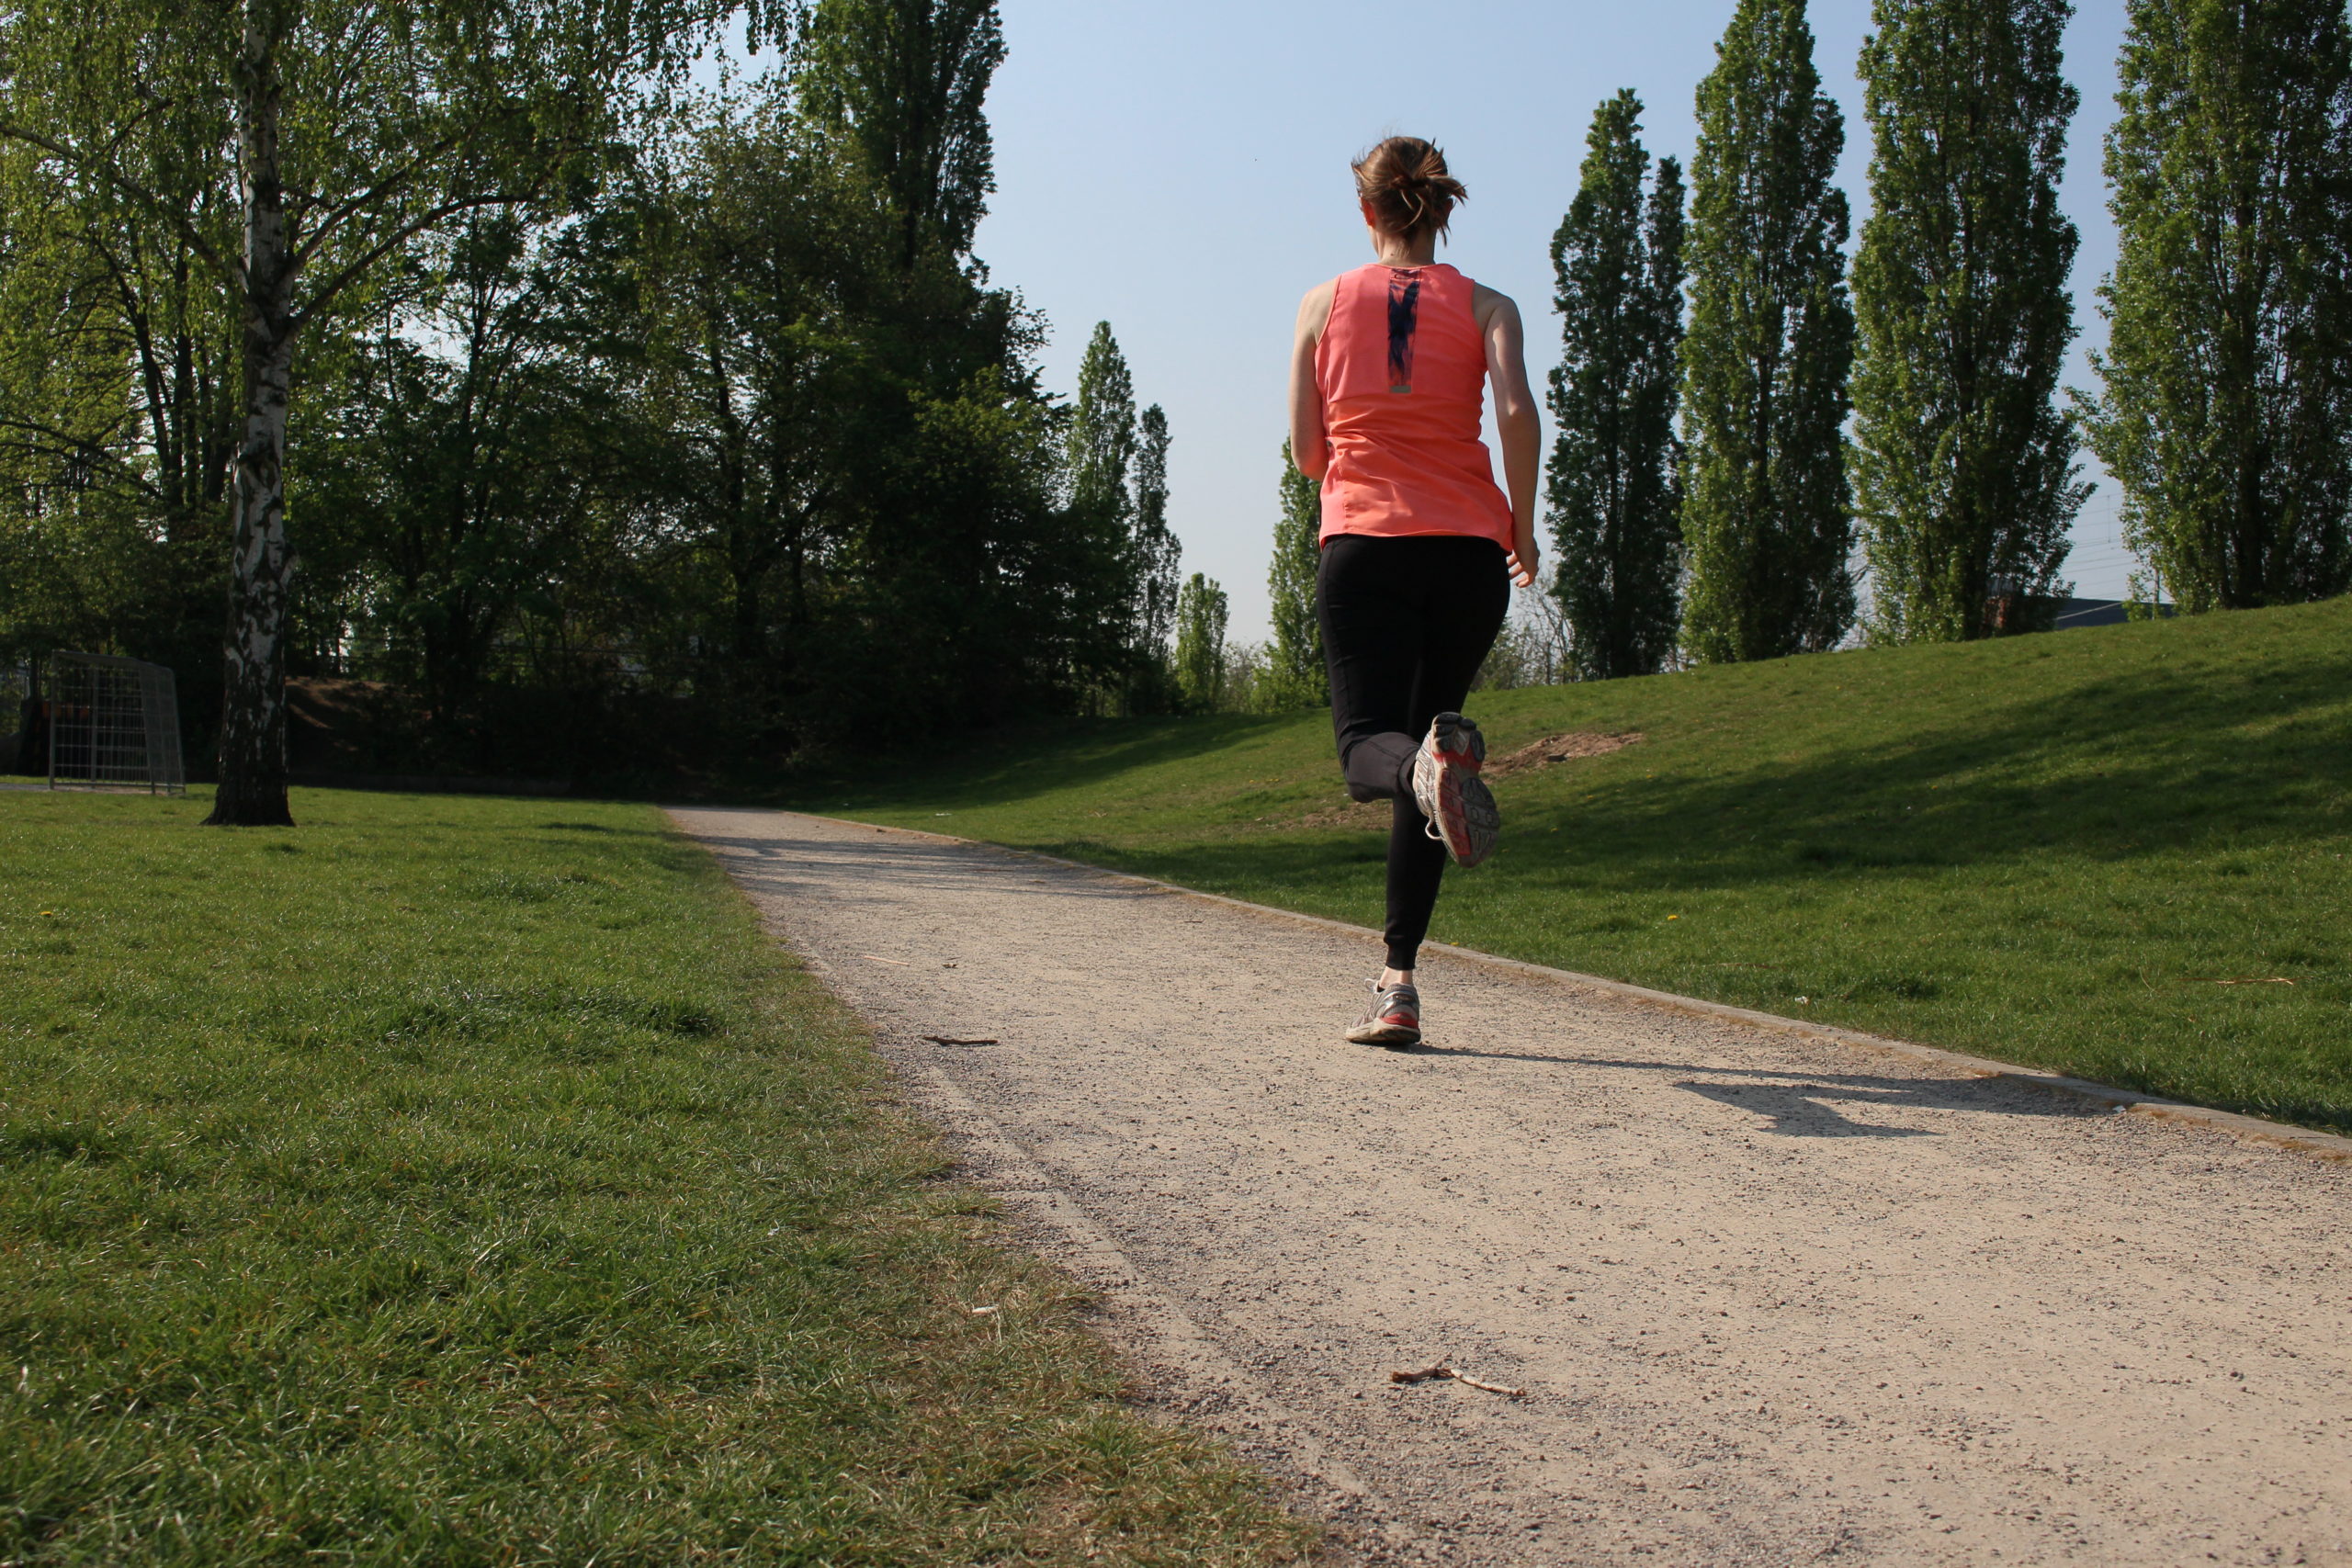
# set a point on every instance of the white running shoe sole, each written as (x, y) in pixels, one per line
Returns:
(1447, 788)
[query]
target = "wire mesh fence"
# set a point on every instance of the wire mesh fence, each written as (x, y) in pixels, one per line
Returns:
(15, 718)
(109, 723)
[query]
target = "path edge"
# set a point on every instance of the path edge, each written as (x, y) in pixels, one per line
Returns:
(1159, 1346)
(2254, 1129)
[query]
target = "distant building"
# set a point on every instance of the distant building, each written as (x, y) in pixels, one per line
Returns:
(2071, 613)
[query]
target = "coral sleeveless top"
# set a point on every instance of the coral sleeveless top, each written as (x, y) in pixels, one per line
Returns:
(1403, 376)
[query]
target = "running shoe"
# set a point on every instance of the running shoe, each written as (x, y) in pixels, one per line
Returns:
(1394, 1018)
(1447, 788)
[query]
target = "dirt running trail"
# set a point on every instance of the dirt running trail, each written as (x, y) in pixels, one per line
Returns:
(1772, 1299)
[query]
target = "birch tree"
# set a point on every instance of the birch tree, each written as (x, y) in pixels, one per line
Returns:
(341, 131)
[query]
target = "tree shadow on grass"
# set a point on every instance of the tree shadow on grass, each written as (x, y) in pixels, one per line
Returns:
(1018, 764)
(2073, 773)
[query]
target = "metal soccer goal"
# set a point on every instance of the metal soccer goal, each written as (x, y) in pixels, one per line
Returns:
(15, 716)
(113, 724)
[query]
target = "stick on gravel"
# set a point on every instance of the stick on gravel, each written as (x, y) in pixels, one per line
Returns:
(1426, 1374)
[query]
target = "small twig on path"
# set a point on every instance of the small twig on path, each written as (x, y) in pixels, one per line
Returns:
(1439, 1371)
(943, 1039)
(877, 958)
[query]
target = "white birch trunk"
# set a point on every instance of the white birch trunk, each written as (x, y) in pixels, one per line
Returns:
(252, 733)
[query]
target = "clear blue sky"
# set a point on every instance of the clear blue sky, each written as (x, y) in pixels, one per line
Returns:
(1181, 171)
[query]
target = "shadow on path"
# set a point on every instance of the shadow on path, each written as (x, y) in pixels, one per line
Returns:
(1802, 1109)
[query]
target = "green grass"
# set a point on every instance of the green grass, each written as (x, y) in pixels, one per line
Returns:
(2046, 848)
(465, 1181)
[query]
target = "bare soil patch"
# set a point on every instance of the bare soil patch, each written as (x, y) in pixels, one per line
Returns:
(1554, 749)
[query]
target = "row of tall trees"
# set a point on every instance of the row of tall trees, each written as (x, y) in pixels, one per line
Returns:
(1707, 491)
(2226, 413)
(621, 425)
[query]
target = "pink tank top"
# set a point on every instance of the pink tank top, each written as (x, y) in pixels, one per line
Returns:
(1403, 375)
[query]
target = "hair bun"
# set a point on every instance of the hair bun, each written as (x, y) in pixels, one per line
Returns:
(1404, 182)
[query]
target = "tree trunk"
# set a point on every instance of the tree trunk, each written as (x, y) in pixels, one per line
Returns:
(253, 730)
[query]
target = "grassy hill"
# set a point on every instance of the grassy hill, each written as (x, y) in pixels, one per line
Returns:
(2118, 852)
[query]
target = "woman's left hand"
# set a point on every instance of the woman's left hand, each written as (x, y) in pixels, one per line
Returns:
(1521, 564)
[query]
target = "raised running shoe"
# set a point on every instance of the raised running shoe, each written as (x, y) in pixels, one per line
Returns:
(1394, 1018)
(1447, 788)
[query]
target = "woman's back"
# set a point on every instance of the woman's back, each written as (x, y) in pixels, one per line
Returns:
(1401, 366)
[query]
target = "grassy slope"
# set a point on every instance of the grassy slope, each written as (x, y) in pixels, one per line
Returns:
(2047, 848)
(465, 1181)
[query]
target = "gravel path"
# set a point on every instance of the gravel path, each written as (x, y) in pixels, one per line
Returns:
(1772, 1299)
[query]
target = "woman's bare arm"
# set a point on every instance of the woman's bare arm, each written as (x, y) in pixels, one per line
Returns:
(1517, 426)
(1310, 445)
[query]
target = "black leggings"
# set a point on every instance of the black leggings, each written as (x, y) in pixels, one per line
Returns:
(1406, 624)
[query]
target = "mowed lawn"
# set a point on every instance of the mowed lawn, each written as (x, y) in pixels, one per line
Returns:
(2118, 852)
(465, 1181)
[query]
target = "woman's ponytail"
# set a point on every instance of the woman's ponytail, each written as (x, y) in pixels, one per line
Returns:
(1403, 181)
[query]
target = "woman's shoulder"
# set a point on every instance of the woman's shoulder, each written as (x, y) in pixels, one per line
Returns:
(1315, 308)
(1329, 289)
(1483, 301)
(1488, 303)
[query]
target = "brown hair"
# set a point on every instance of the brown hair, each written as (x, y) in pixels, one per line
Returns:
(1405, 183)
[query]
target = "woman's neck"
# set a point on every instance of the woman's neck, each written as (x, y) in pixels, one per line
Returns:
(1399, 252)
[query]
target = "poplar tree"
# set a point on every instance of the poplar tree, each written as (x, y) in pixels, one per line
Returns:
(1767, 520)
(1101, 442)
(1157, 555)
(909, 80)
(1618, 260)
(2226, 415)
(1963, 464)
(1295, 660)
(1201, 617)
(1100, 456)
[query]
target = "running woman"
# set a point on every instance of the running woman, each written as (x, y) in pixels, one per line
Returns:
(1419, 546)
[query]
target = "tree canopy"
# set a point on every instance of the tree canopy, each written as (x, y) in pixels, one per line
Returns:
(1767, 518)
(1963, 463)
(2226, 407)
(1615, 506)
(615, 427)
